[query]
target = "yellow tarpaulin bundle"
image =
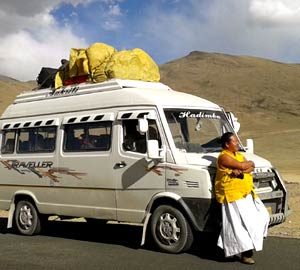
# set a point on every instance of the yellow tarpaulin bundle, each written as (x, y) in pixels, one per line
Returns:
(78, 63)
(59, 82)
(62, 74)
(78, 66)
(102, 62)
(133, 64)
(99, 55)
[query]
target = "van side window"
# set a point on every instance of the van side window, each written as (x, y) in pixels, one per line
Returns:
(8, 142)
(36, 140)
(153, 133)
(133, 141)
(88, 137)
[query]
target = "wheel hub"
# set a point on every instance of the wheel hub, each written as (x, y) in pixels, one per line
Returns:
(169, 229)
(25, 217)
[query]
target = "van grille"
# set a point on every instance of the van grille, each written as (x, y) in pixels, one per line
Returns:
(271, 191)
(264, 180)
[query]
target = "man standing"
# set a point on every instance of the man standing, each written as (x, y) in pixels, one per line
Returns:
(244, 216)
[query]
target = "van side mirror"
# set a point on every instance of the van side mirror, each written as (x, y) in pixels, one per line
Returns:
(250, 146)
(142, 125)
(153, 150)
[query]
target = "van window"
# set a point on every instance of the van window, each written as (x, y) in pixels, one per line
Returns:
(133, 140)
(197, 131)
(88, 137)
(35, 140)
(8, 142)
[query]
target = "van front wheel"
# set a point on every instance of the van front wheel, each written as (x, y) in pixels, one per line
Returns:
(27, 220)
(170, 230)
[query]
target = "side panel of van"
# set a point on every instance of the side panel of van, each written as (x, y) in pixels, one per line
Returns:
(27, 157)
(63, 175)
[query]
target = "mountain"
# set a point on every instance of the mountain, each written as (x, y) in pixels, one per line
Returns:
(6, 79)
(263, 94)
(10, 88)
(238, 83)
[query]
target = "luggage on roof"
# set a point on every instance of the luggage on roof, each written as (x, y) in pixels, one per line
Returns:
(101, 62)
(46, 77)
(133, 64)
(99, 55)
(78, 63)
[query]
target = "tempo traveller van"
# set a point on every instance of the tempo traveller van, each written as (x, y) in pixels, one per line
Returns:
(121, 150)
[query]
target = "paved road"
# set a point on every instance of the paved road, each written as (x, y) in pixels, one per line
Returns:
(78, 245)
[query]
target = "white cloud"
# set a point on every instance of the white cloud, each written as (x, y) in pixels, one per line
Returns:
(112, 17)
(114, 10)
(22, 56)
(276, 12)
(30, 37)
(111, 25)
(31, 7)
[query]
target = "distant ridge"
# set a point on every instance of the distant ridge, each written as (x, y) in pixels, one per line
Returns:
(10, 88)
(239, 83)
(7, 79)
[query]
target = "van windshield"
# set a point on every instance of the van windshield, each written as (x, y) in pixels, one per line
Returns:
(197, 131)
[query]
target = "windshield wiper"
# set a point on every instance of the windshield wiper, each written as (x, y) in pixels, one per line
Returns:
(212, 150)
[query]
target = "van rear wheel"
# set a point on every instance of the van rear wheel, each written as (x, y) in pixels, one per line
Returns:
(27, 220)
(170, 230)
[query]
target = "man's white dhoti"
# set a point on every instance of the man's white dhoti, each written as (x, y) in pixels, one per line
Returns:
(244, 225)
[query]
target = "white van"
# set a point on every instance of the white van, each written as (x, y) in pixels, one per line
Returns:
(121, 150)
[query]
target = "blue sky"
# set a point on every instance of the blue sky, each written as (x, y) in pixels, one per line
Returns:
(122, 24)
(41, 33)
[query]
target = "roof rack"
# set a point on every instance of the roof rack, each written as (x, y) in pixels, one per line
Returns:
(86, 88)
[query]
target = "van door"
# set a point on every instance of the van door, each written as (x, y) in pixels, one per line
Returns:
(86, 186)
(137, 178)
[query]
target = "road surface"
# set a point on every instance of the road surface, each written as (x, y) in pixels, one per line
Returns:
(78, 245)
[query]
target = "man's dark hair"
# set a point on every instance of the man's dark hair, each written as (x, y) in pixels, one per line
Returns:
(226, 137)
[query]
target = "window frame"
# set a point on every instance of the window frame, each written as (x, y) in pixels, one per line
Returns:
(36, 131)
(87, 126)
(152, 123)
(3, 145)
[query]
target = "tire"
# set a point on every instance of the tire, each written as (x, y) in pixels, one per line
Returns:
(170, 230)
(27, 220)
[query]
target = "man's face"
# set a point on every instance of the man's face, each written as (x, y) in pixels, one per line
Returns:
(233, 144)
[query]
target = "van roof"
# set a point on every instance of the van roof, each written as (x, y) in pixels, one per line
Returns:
(112, 93)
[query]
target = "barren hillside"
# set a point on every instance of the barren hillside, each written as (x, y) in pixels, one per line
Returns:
(263, 94)
(9, 88)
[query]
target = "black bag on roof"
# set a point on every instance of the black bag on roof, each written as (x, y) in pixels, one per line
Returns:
(46, 78)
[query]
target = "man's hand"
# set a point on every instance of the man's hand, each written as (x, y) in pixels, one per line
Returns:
(237, 174)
